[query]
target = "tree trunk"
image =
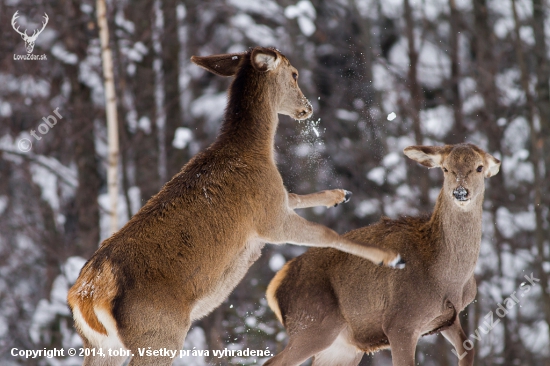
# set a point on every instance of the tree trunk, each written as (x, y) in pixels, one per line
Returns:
(416, 101)
(535, 157)
(111, 114)
(175, 158)
(459, 128)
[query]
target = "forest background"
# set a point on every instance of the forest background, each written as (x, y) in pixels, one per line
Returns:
(381, 75)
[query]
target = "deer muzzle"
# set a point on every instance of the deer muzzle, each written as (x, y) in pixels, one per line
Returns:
(460, 193)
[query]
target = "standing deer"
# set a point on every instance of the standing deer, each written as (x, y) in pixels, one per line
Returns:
(336, 306)
(29, 40)
(181, 255)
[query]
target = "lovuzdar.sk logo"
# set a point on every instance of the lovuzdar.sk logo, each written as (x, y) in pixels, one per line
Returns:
(29, 40)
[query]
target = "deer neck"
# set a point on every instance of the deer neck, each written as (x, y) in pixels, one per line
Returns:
(251, 118)
(458, 236)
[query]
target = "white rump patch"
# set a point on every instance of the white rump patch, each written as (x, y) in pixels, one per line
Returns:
(98, 340)
(340, 353)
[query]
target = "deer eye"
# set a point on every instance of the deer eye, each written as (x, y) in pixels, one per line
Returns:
(295, 76)
(445, 170)
(479, 169)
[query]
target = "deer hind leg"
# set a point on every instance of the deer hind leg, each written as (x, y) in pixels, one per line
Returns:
(340, 353)
(308, 338)
(455, 334)
(149, 325)
(329, 198)
(297, 230)
(96, 360)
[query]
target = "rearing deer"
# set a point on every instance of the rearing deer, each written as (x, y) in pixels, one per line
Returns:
(29, 40)
(336, 306)
(181, 255)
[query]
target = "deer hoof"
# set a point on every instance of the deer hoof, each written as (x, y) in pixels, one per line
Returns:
(347, 196)
(398, 263)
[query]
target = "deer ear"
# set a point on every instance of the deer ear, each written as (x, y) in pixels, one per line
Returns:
(430, 156)
(223, 65)
(493, 165)
(264, 59)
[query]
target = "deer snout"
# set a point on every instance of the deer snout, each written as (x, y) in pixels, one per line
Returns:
(304, 113)
(460, 193)
(305, 110)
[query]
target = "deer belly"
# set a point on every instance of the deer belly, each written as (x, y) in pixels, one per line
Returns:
(228, 280)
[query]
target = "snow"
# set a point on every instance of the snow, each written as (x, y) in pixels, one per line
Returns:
(508, 84)
(377, 175)
(535, 337)
(182, 137)
(5, 109)
(382, 77)
(276, 262)
(60, 52)
(391, 160)
(26, 85)
(303, 150)
(509, 224)
(144, 124)
(251, 321)
(346, 115)
(392, 8)
(306, 14)
(196, 339)
(261, 34)
(134, 194)
(516, 135)
(72, 268)
(211, 107)
(437, 122)
(47, 181)
(46, 311)
(266, 8)
(433, 63)
(517, 169)
(391, 116)
(367, 207)
(3, 203)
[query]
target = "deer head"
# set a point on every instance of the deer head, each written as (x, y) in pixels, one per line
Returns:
(29, 40)
(271, 66)
(464, 166)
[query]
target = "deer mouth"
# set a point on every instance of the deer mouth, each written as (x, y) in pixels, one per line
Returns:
(305, 114)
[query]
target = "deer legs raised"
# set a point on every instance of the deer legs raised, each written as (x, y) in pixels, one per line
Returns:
(297, 230)
(328, 198)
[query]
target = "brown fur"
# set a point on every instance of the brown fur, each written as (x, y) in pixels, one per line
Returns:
(181, 255)
(324, 294)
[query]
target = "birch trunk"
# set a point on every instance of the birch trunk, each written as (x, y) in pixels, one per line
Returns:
(111, 112)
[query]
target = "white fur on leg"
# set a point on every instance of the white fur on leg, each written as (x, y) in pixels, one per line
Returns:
(340, 353)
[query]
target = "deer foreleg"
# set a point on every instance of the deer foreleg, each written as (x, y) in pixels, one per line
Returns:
(455, 334)
(297, 230)
(329, 198)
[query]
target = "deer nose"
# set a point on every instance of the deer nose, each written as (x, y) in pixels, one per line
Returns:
(460, 193)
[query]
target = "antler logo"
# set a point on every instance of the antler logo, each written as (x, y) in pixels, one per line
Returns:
(29, 40)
